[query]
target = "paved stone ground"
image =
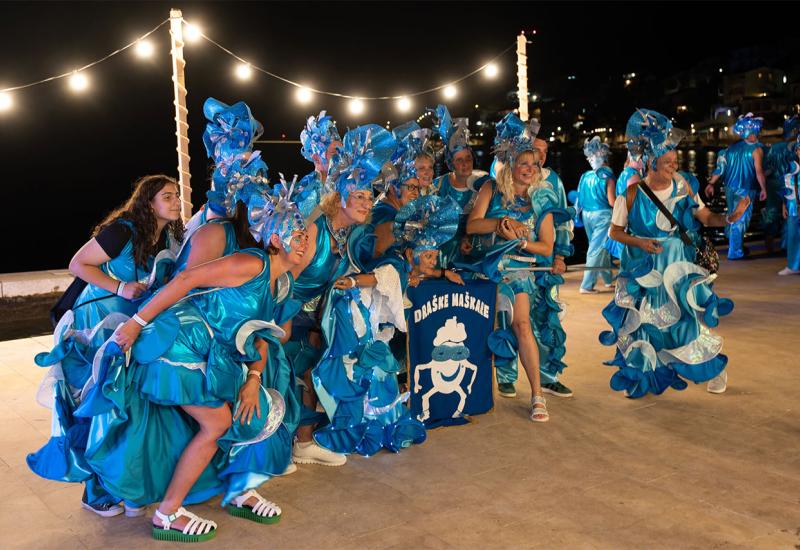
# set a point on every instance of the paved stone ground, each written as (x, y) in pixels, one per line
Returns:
(685, 470)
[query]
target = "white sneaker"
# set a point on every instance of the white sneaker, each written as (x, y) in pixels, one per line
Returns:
(587, 291)
(310, 453)
(290, 469)
(719, 383)
(135, 512)
(787, 271)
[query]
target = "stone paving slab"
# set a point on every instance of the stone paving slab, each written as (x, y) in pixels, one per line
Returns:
(684, 470)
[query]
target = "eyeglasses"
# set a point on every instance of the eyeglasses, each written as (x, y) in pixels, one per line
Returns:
(410, 187)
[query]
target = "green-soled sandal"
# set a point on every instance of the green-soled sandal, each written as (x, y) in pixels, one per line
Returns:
(262, 511)
(197, 530)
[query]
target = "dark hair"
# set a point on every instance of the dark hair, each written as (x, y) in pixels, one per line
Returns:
(137, 210)
(241, 226)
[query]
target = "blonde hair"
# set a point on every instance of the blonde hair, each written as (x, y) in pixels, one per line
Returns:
(505, 180)
(331, 204)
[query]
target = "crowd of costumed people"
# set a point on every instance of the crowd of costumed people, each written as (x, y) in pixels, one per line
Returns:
(202, 360)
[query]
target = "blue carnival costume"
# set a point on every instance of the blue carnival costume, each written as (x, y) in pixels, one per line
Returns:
(791, 181)
(778, 164)
(664, 304)
(356, 378)
(194, 353)
(740, 180)
(631, 170)
(595, 211)
(78, 336)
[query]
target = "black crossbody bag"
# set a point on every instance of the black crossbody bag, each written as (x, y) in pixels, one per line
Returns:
(706, 255)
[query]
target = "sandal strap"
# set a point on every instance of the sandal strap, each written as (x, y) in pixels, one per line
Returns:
(262, 507)
(538, 399)
(195, 526)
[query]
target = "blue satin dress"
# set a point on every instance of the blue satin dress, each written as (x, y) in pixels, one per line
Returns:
(442, 186)
(791, 180)
(194, 353)
(541, 286)
(740, 181)
(778, 163)
(80, 333)
(595, 211)
(615, 248)
(564, 228)
(664, 305)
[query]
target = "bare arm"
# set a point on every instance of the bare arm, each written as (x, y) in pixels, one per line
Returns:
(208, 244)
(86, 263)
(711, 182)
(477, 223)
(611, 191)
(543, 246)
(758, 160)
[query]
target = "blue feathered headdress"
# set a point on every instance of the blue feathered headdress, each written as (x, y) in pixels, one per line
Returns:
(454, 133)
(358, 162)
(412, 141)
(595, 148)
(514, 137)
(274, 213)
(748, 124)
(651, 134)
(316, 137)
(427, 223)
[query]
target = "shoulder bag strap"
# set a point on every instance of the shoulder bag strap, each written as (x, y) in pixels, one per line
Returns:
(667, 214)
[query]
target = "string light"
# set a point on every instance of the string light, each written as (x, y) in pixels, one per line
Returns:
(243, 71)
(491, 70)
(303, 95)
(6, 102)
(403, 104)
(356, 106)
(78, 82)
(144, 49)
(192, 33)
(450, 92)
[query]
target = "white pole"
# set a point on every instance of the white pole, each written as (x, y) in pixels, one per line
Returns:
(181, 124)
(522, 76)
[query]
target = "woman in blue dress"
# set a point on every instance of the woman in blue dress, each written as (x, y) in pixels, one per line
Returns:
(595, 200)
(664, 306)
(790, 213)
(514, 219)
(186, 419)
(121, 264)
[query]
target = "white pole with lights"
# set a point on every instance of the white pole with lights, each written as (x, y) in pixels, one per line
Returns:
(181, 124)
(522, 76)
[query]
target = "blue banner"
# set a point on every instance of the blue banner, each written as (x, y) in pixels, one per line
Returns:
(450, 364)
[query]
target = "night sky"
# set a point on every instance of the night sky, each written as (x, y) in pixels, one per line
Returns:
(68, 159)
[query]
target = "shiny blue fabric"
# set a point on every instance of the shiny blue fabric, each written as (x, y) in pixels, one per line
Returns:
(793, 220)
(356, 382)
(541, 286)
(777, 164)
(325, 267)
(615, 248)
(194, 354)
(62, 457)
(740, 181)
(465, 198)
(597, 223)
(662, 339)
(592, 190)
(563, 243)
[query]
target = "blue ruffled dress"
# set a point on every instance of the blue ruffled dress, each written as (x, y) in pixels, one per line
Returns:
(664, 305)
(78, 336)
(194, 353)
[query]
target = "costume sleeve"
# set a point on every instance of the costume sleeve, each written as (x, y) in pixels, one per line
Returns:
(620, 215)
(113, 238)
(563, 245)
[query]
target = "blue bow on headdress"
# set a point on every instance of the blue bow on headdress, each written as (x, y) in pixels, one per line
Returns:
(229, 137)
(316, 137)
(360, 159)
(275, 214)
(594, 147)
(748, 124)
(514, 137)
(427, 223)
(454, 133)
(651, 134)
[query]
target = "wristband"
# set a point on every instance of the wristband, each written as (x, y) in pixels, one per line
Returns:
(139, 320)
(524, 245)
(120, 288)
(352, 280)
(253, 372)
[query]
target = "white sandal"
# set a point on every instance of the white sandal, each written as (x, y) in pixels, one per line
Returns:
(539, 414)
(196, 530)
(262, 511)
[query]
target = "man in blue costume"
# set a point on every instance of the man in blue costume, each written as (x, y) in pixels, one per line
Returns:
(778, 164)
(744, 175)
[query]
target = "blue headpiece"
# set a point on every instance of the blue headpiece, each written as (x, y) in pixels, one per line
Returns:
(650, 134)
(791, 126)
(514, 137)
(316, 137)
(274, 213)
(748, 124)
(238, 170)
(595, 148)
(427, 223)
(454, 133)
(360, 160)
(412, 141)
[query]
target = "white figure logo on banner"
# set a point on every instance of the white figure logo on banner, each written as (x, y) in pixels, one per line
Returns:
(449, 364)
